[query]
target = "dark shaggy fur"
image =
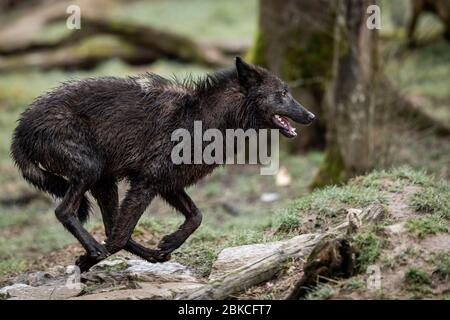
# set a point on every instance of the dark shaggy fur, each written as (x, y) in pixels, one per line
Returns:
(87, 135)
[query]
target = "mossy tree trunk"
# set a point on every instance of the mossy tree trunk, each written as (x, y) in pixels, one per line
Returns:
(350, 111)
(295, 41)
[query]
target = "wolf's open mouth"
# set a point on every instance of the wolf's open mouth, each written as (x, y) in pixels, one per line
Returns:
(285, 127)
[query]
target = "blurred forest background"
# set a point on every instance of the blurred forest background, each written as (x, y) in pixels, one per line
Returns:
(382, 101)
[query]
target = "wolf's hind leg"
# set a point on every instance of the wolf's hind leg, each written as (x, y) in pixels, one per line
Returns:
(66, 214)
(184, 204)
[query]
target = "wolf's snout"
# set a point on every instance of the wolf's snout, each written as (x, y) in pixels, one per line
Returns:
(310, 117)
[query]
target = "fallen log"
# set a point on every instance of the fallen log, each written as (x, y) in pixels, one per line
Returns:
(265, 268)
(84, 55)
(22, 30)
(18, 39)
(168, 44)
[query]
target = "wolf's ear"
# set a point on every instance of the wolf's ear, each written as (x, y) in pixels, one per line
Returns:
(248, 75)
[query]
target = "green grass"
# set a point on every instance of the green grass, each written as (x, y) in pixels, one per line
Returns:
(12, 265)
(203, 19)
(322, 292)
(424, 226)
(402, 175)
(368, 249)
(441, 263)
(354, 284)
(327, 203)
(433, 199)
(417, 277)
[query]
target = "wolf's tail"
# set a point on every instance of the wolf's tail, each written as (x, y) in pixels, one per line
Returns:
(43, 179)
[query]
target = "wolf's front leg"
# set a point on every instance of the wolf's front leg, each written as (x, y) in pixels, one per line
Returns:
(137, 199)
(184, 204)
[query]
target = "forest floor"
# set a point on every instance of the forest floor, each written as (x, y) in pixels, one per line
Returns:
(409, 249)
(242, 207)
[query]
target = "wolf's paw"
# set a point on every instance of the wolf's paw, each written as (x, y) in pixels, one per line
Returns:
(162, 256)
(86, 261)
(169, 243)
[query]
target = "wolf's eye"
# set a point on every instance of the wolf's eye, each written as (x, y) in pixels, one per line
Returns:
(284, 93)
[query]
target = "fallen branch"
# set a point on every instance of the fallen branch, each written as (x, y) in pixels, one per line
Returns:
(84, 55)
(159, 42)
(265, 268)
(21, 31)
(167, 43)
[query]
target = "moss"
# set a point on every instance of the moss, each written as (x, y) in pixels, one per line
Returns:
(308, 59)
(332, 170)
(256, 54)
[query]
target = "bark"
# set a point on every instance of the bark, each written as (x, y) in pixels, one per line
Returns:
(351, 109)
(295, 42)
(264, 269)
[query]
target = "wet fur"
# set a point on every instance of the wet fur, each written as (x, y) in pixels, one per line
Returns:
(87, 135)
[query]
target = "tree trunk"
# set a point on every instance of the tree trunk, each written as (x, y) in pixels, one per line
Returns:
(350, 112)
(295, 41)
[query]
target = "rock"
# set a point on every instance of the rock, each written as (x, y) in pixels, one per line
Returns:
(283, 178)
(4, 292)
(141, 266)
(269, 196)
(115, 264)
(52, 276)
(114, 278)
(26, 292)
(147, 291)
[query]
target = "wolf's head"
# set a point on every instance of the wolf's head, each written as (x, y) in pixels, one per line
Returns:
(271, 102)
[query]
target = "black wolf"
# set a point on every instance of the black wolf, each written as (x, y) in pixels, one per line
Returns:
(88, 135)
